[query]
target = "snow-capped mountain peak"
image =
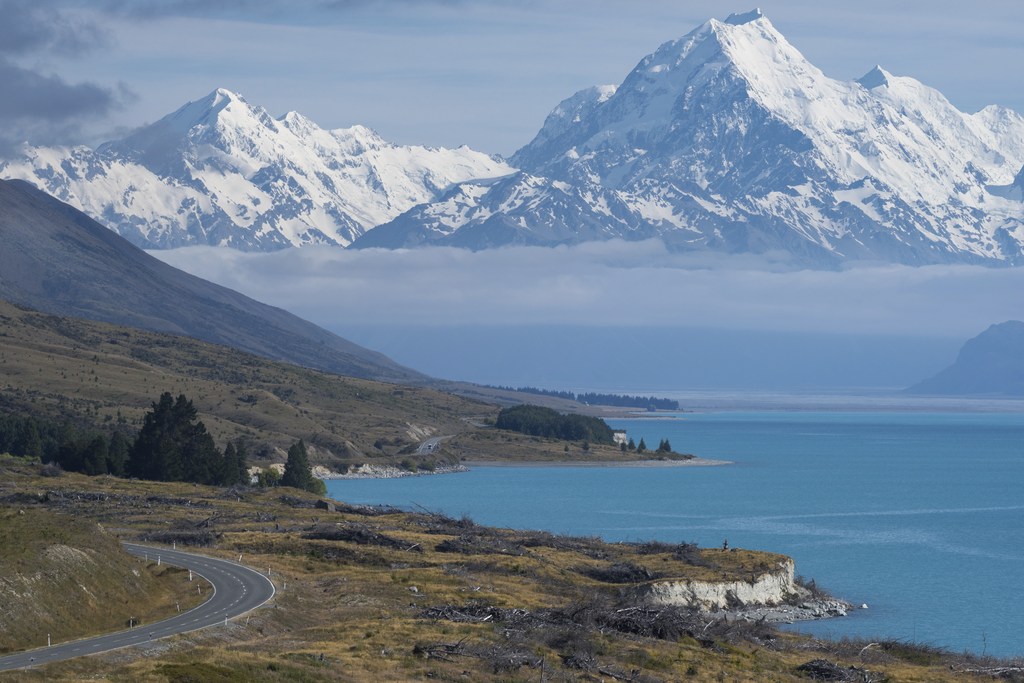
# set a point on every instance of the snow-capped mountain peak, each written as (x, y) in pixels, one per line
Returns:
(203, 111)
(876, 78)
(745, 17)
(220, 120)
(219, 170)
(729, 138)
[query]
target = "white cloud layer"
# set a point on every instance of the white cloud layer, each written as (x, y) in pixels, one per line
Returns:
(611, 284)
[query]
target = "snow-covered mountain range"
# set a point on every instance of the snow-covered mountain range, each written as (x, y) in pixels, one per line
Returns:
(223, 172)
(729, 139)
(726, 139)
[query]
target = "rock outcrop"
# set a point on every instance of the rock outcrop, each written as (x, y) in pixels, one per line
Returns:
(774, 587)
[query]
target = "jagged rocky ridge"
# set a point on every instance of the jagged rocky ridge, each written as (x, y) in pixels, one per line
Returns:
(728, 139)
(220, 171)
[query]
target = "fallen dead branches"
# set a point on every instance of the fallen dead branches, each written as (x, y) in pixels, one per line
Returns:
(824, 670)
(476, 614)
(445, 652)
(618, 572)
(1008, 672)
(359, 534)
(480, 544)
(499, 658)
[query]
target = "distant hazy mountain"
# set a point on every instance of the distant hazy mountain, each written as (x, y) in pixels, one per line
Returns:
(728, 139)
(220, 171)
(57, 260)
(990, 364)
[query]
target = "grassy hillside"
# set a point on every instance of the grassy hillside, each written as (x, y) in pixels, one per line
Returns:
(67, 577)
(374, 594)
(105, 375)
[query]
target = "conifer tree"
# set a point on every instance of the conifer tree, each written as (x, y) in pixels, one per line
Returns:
(234, 469)
(69, 456)
(154, 455)
(117, 454)
(642, 447)
(28, 443)
(94, 456)
(296, 469)
(241, 464)
(297, 473)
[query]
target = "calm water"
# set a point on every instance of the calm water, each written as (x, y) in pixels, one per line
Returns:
(920, 515)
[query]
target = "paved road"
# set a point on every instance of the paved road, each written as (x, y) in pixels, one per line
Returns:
(431, 445)
(237, 590)
(428, 446)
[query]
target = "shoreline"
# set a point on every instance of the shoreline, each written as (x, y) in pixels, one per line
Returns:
(385, 472)
(691, 462)
(389, 472)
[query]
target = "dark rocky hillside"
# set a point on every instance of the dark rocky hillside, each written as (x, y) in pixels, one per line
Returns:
(57, 260)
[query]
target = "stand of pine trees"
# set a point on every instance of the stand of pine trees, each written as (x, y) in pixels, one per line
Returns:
(540, 421)
(89, 451)
(173, 445)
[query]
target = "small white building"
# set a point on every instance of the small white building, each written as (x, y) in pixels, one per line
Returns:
(619, 437)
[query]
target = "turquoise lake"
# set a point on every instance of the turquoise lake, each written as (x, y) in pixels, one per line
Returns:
(918, 514)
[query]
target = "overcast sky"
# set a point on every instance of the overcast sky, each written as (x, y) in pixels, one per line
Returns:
(441, 72)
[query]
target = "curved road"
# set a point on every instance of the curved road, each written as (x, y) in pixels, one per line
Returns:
(236, 590)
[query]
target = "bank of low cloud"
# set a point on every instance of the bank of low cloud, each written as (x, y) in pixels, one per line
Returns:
(612, 284)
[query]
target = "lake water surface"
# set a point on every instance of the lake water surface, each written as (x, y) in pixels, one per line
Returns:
(918, 514)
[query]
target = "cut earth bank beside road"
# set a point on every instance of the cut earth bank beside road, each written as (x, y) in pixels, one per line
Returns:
(235, 590)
